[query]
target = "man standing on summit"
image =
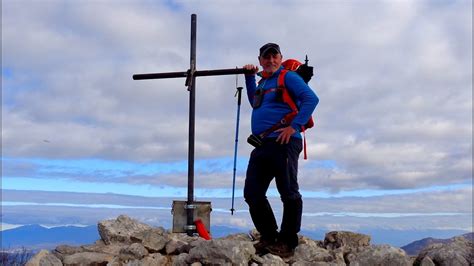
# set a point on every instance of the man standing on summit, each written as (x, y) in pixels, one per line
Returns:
(277, 155)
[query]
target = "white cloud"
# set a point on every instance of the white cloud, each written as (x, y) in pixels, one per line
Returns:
(394, 80)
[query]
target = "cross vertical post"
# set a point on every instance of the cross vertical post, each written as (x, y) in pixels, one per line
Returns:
(192, 116)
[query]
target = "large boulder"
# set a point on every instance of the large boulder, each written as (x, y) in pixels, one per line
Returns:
(134, 251)
(346, 240)
(238, 237)
(121, 229)
(426, 261)
(458, 252)
(87, 258)
(343, 244)
(270, 259)
(179, 260)
(222, 252)
(154, 259)
(44, 258)
(153, 239)
(101, 247)
(176, 246)
(382, 255)
(63, 250)
(309, 254)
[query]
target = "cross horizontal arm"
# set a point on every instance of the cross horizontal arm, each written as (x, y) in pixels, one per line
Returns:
(160, 75)
(197, 73)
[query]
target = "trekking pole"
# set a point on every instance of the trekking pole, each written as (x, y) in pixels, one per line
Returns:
(238, 93)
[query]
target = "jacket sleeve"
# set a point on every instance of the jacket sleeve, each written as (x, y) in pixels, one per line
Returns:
(304, 97)
(251, 86)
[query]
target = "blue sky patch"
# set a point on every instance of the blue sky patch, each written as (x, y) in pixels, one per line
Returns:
(7, 73)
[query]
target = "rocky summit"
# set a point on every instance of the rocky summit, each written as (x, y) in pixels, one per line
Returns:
(125, 241)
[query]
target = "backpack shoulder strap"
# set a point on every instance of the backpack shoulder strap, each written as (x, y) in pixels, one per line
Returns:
(288, 100)
(285, 94)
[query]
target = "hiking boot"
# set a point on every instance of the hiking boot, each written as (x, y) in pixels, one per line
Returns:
(281, 249)
(261, 246)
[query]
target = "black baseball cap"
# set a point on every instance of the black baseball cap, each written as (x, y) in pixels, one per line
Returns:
(269, 47)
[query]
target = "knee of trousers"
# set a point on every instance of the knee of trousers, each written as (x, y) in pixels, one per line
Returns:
(252, 195)
(255, 200)
(290, 198)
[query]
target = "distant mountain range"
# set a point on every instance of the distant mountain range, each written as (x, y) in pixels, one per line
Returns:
(36, 237)
(415, 247)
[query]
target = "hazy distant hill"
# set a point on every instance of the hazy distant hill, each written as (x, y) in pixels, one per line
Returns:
(36, 236)
(415, 247)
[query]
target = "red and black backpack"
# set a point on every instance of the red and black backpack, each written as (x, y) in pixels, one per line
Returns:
(300, 69)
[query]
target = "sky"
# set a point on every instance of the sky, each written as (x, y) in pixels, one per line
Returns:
(393, 125)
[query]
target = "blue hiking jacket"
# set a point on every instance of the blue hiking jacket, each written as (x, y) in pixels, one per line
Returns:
(272, 111)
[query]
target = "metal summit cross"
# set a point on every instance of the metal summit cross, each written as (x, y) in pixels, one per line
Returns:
(190, 76)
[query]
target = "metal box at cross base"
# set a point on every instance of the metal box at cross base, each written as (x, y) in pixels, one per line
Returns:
(202, 210)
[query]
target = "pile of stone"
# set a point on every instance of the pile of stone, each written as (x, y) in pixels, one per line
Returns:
(125, 241)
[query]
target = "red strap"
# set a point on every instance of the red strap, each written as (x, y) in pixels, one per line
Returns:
(270, 90)
(304, 146)
(288, 100)
(286, 96)
(201, 229)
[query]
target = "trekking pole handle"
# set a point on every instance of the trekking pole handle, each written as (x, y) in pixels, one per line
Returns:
(239, 95)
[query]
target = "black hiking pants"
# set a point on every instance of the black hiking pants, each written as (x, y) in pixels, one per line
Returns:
(274, 160)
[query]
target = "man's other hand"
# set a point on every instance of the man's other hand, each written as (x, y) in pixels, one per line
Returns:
(285, 134)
